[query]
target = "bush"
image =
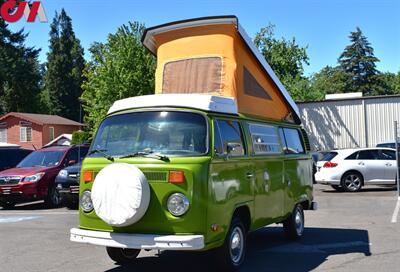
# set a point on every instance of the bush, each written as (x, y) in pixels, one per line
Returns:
(80, 137)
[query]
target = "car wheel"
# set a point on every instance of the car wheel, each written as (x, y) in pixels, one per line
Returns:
(7, 205)
(352, 182)
(54, 197)
(294, 224)
(337, 188)
(122, 255)
(231, 255)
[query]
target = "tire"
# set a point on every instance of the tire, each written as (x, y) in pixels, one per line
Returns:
(123, 255)
(7, 205)
(53, 198)
(293, 226)
(227, 257)
(352, 182)
(337, 188)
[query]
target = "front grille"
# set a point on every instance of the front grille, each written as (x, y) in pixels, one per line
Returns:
(156, 176)
(74, 189)
(9, 180)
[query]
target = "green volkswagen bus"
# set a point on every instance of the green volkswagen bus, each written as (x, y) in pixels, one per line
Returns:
(188, 172)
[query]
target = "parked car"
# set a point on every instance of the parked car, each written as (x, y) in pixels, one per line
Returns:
(351, 169)
(33, 178)
(388, 145)
(11, 156)
(67, 184)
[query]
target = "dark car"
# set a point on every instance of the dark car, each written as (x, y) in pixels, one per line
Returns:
(34, 177)
(67, 184)
(11, 156)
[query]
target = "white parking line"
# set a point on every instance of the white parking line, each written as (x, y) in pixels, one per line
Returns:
(15, 219)
(396, 211)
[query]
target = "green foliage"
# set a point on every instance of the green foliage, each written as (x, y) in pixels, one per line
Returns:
(19, 71)
(286, 58)
(64, 69)
(80, 137)
(119, 68)
(359, 63)
(330, 80)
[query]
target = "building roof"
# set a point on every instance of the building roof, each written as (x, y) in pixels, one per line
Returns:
(65, 136)
(42, 119)
(194, 101)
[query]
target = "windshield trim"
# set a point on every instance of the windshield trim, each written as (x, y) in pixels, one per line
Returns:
(202, 114)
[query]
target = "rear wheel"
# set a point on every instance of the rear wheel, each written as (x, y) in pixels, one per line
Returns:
(232, 254)
(352, 182)
(294, 224)
(122, 255)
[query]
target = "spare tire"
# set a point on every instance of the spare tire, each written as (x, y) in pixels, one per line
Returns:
(120, 194)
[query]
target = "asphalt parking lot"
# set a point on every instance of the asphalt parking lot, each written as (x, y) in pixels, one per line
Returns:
(349, 232)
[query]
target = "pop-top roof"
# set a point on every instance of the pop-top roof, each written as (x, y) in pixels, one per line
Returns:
(165, 41)
(194, 101)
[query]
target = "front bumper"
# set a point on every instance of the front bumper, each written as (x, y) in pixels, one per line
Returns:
(138, 241)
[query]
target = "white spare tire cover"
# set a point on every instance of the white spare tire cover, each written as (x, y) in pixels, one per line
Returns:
(120, 194)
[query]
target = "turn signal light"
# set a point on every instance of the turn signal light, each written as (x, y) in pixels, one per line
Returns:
(88, 176)
(176, 177)
(329, 164)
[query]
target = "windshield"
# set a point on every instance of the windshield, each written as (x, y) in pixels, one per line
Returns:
(42, 158)
(166, 132)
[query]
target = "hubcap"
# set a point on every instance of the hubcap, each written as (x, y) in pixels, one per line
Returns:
(236, 245)
(56, 197)
(352, 182)
(299, 222)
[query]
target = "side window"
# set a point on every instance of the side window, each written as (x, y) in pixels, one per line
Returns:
(352, 156)
(368, 155)
(82, 153)
(293, 140)
(265, 139)
(231, 135)
(387, 155)
(72, 156)
(217, 139)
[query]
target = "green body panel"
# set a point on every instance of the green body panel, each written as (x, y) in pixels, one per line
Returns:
(215, 186)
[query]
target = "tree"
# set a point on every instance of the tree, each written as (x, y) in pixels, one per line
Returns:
(19, 71)
(286, 58)
(64, 69)
(119, 68)
(330, 80)
(359, 63)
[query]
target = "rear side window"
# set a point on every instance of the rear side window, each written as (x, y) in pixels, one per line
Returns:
(387, 155)
(292, 140)
(352, 156)
(231, 134)
(330, 155)
(368, 155)
(265, 139)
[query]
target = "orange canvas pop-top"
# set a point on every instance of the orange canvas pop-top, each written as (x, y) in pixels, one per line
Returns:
(214, 56)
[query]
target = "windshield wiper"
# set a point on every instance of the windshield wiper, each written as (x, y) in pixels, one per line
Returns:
(102, 152)
(150, 154)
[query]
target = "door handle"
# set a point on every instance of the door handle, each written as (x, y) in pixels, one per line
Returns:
(249, 175)
(388, 164)
(361, 163)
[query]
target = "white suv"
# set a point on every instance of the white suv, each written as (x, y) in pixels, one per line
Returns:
(350, 169)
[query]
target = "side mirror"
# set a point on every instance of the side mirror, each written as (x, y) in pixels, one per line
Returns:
(71, 162)
(230, 147)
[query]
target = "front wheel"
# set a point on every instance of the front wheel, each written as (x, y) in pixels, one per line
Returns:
(53, 198)
(294, 224)
(7, 205)
(232, 254)
(122, 255)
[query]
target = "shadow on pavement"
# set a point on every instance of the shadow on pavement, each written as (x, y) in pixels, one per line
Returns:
(267, 251)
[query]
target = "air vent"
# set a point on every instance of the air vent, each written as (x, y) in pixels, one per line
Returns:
(306, 139)
(156, 176)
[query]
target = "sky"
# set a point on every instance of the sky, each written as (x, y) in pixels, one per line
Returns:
(321, 25)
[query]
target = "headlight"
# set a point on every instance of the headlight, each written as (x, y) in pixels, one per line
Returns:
(63, 173)
(178, 204)
(86, 201)
(34, 178)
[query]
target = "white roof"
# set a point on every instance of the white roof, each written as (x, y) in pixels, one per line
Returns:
(149, 42)
(68, 137)
(8, 145)
(194, 101)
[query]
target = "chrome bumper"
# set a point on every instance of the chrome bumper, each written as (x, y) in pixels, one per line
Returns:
(138, 241)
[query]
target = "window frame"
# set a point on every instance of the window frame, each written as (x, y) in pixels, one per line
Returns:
(25, 134)
(253, 152)
(51, 135)
(285, 150)
(243, 138)
(5, 134)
